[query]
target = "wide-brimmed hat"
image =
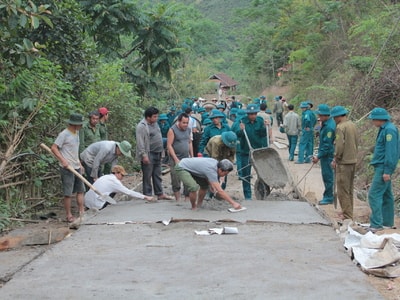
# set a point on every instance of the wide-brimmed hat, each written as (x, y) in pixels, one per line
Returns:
(304, 105)
(118, 169)
(338, 111)
(125, 148)
(75, 119)
(233, 111)
(229, 138)
(379, 113)
(323, 110)
(216, 114)
(252, 109)
(162, 117)
(207, 121)
(219, 106)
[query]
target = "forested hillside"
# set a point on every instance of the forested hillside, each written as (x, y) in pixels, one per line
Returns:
(59, 57)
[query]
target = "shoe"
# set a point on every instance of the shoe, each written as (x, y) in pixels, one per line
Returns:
(325, 202)
(389, 227)
(247, 199)
(374, 230)
(165, 197)
(291, 158)
(299, 162)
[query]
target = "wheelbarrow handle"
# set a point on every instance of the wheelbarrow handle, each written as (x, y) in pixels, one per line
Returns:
(247, 139)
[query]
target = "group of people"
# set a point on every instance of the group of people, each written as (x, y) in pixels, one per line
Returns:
(200, 171)
(337, 155)
(91, 158)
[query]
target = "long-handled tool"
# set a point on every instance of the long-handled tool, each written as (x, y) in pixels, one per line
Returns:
(105, 198)
(334, 190)
(302, 178)
(267, 129)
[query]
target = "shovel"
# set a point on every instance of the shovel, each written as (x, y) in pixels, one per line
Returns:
(105, 198)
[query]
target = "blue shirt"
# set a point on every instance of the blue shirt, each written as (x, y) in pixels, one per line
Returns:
(210, 131)
(308, 119)
(256, 132)
(386, 150)
(326, 138)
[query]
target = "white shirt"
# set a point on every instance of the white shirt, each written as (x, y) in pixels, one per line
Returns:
(106, 185)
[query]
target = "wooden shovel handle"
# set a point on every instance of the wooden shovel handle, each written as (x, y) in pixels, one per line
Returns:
(70, 168)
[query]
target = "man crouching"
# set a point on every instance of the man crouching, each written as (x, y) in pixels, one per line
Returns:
(198, 174)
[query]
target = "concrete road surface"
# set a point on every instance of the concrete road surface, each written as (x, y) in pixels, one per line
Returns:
(284, 250)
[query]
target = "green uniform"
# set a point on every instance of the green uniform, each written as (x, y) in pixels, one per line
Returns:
(384, 161)
(325, 154)
(88, 136)
(257, 134)
(210, 131)
(103, 131)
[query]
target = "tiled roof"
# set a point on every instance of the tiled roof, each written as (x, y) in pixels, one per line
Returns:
(225, 80)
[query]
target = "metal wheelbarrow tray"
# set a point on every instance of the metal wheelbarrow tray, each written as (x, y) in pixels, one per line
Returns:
(271, 172)
(269, 167)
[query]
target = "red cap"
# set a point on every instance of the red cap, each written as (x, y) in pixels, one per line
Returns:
(103, 110)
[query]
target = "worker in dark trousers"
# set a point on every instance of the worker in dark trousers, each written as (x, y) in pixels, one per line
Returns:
(326, 151)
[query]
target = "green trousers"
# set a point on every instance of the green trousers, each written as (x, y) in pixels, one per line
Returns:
(381, 200)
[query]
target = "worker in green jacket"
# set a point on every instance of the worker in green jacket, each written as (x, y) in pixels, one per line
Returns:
(253, 126)
(90, 131)
(384, 161)
(326, 151)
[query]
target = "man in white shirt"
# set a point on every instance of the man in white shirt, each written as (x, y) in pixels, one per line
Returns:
(110, 185)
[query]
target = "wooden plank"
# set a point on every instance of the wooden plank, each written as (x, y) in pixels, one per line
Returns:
(40, 237)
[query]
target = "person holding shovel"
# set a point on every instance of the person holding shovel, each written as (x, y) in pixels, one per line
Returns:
(326, 151)
(252, 133)
(110, 185)
(66, 149)
(345, 159)
(384, 161)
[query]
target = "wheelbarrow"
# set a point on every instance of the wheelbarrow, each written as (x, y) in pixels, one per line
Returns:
(271, 172)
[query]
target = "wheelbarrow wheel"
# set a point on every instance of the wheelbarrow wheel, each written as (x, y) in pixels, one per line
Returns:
(261, 189)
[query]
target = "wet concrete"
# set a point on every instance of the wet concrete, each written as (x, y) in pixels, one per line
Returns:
(288, 253)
